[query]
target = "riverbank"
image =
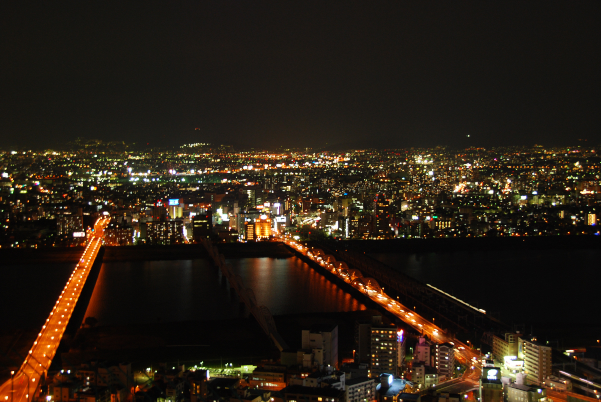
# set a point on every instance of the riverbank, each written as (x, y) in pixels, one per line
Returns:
(467, 244)
(238, 341)
(56, 255)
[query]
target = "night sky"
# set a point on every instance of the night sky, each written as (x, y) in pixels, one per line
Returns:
(320, 74)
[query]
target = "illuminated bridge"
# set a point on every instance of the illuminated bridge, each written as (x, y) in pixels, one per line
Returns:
(24, 382)
(456, 315)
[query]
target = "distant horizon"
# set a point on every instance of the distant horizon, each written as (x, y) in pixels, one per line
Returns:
(356, 145)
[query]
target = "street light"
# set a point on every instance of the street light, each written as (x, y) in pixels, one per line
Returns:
(27, 384)
(12, 387)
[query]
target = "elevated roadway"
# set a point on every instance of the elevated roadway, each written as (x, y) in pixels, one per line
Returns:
(24, 381)
(369, 286)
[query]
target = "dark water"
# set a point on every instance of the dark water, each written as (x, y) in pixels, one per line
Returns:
(555, 292)
(159, 291)
(170, 291)
(28, 292)
(550, 291)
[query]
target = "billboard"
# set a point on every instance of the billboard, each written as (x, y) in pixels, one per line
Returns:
(174, 201)
(491, 373)
(79, 234)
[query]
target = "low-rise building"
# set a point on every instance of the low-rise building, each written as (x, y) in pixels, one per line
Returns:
(392, 389)
(424, 376)
(360, 389)
(268, 379)
(525, 393)
(299, 393)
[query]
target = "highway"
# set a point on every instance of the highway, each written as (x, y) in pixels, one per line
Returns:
(463, 353)
(24, 382)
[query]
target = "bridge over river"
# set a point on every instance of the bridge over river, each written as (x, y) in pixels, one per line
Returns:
(25, 381)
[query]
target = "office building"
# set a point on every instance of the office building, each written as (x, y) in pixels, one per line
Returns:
(262, 227)
(381, 220)
(202, 226)
(69, 222)
(163, 233)
(116, 234)
(257, 229)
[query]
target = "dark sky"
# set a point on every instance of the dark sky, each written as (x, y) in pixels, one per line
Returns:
(301, 73)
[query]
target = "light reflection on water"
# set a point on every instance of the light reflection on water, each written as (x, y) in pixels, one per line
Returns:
(289, 286)
(183, 290)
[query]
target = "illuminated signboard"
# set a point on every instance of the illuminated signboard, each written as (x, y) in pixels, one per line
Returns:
(79, 234)
(491, 373)
(174, 201)
(399, 336)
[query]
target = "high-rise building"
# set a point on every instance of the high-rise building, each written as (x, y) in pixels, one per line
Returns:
(384, 352)
(591, 219)
(381, 219)
(362, 342)
(445, 360)
(118, 235)
(262, 227)
(249, 231)
(163, 233)
(257, 229)
(537, 360)
(69, 222)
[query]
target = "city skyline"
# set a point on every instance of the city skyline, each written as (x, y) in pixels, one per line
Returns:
(335, 75)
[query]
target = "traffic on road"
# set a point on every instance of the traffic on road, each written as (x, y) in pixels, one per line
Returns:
(24, 382)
